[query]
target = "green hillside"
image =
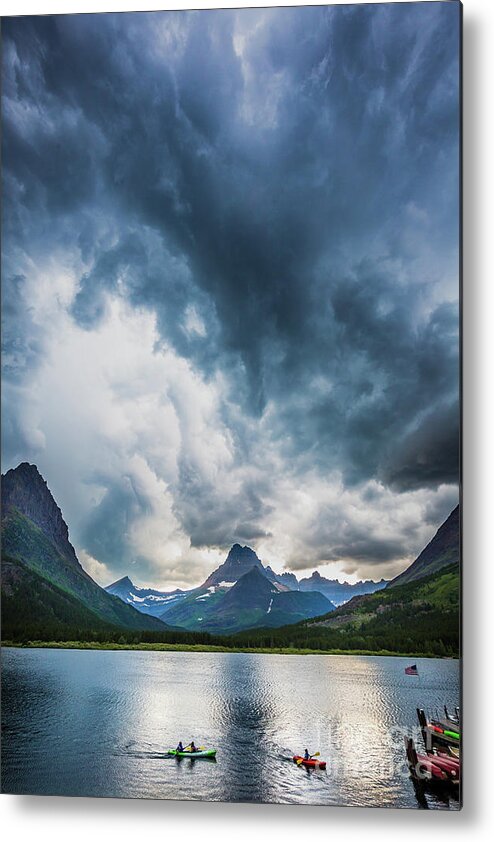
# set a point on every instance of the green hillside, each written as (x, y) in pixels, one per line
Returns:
(421, 617)
(25, 542)
(34, 606)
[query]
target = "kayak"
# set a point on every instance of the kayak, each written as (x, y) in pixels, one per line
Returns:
(431, 767)
(209, 752)
(311, 764)
(447, 764)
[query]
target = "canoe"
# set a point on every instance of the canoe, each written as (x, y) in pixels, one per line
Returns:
(313, 763)
(209, 752)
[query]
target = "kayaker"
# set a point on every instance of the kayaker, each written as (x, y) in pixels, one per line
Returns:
(180, 746)
(306, 754)
(192, 746)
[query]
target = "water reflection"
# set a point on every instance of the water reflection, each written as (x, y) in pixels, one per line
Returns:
(101, 723)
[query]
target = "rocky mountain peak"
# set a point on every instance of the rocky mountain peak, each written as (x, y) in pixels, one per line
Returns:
(24, 489)
(238, 562)
(124, 582)
(242, 555)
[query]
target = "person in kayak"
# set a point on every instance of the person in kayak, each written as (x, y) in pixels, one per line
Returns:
(192, 746)
(180, 746)
(306, 754)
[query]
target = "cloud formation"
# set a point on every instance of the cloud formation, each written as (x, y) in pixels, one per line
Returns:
(231, 281)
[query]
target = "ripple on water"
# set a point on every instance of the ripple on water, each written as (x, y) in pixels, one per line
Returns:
(100, 723)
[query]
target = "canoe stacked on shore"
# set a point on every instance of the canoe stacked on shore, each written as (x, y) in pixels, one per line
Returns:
(432, 768)
(441, 762)
(443, 733)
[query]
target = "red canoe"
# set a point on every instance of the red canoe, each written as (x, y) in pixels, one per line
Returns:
(312, 763)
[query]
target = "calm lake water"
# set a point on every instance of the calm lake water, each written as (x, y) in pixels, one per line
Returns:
(99, 724)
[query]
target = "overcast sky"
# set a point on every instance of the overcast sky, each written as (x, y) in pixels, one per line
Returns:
(230, 283)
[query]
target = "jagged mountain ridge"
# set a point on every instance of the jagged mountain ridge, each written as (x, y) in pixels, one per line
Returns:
(339, 592)
(253, 601)
(147, 600)
(238, 562)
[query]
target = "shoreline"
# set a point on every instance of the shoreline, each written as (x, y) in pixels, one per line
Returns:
(200, 647)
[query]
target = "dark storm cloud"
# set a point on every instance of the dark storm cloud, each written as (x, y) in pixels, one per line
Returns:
(296, 189)
(429, 455)
(106, 533)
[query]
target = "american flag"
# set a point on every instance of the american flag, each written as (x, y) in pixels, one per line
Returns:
(411, 670)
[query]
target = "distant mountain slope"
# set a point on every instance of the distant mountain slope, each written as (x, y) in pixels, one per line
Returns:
(238, 562)
(339, 592)
(35, 606)
(242, 559)
(287, 580)
(419, 617)
(34, 533)
(190, 612)
(252, 601)
(147, 600)
(442, 550)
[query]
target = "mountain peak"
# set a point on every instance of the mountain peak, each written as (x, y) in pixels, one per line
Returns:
(123, 582)
(238, 562)
(242, 554)
(25, 489)
(24, 473)
(253, 574)
(26, 467)
(253, 588)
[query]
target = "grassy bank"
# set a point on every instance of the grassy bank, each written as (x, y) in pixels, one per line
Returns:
(199, 647)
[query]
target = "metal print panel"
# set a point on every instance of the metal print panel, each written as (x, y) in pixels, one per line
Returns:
(230, 438)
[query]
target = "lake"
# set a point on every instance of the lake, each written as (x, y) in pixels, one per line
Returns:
(99, 723)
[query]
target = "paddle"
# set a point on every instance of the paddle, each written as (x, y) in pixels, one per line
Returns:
(198, 748)
(301, 760)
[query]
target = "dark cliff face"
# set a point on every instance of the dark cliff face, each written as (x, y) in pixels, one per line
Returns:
(252, 590)
(25, 489)
(238, 562)
(442, 550)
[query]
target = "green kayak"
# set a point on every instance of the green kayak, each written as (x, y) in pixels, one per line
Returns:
(208, 752)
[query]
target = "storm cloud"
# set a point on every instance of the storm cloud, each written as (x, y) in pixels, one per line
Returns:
(230, 296)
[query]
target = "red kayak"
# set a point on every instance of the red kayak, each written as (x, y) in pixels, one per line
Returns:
(447, 764)
(313, 763)
(430, 767)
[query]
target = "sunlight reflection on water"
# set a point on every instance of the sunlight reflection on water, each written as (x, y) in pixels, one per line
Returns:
(100, 723)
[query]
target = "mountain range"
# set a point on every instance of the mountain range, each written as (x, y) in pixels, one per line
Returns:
(420, 617)
(146, 600)
(241, 593)
(187, 608)
(44, 586)
(224, 603)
